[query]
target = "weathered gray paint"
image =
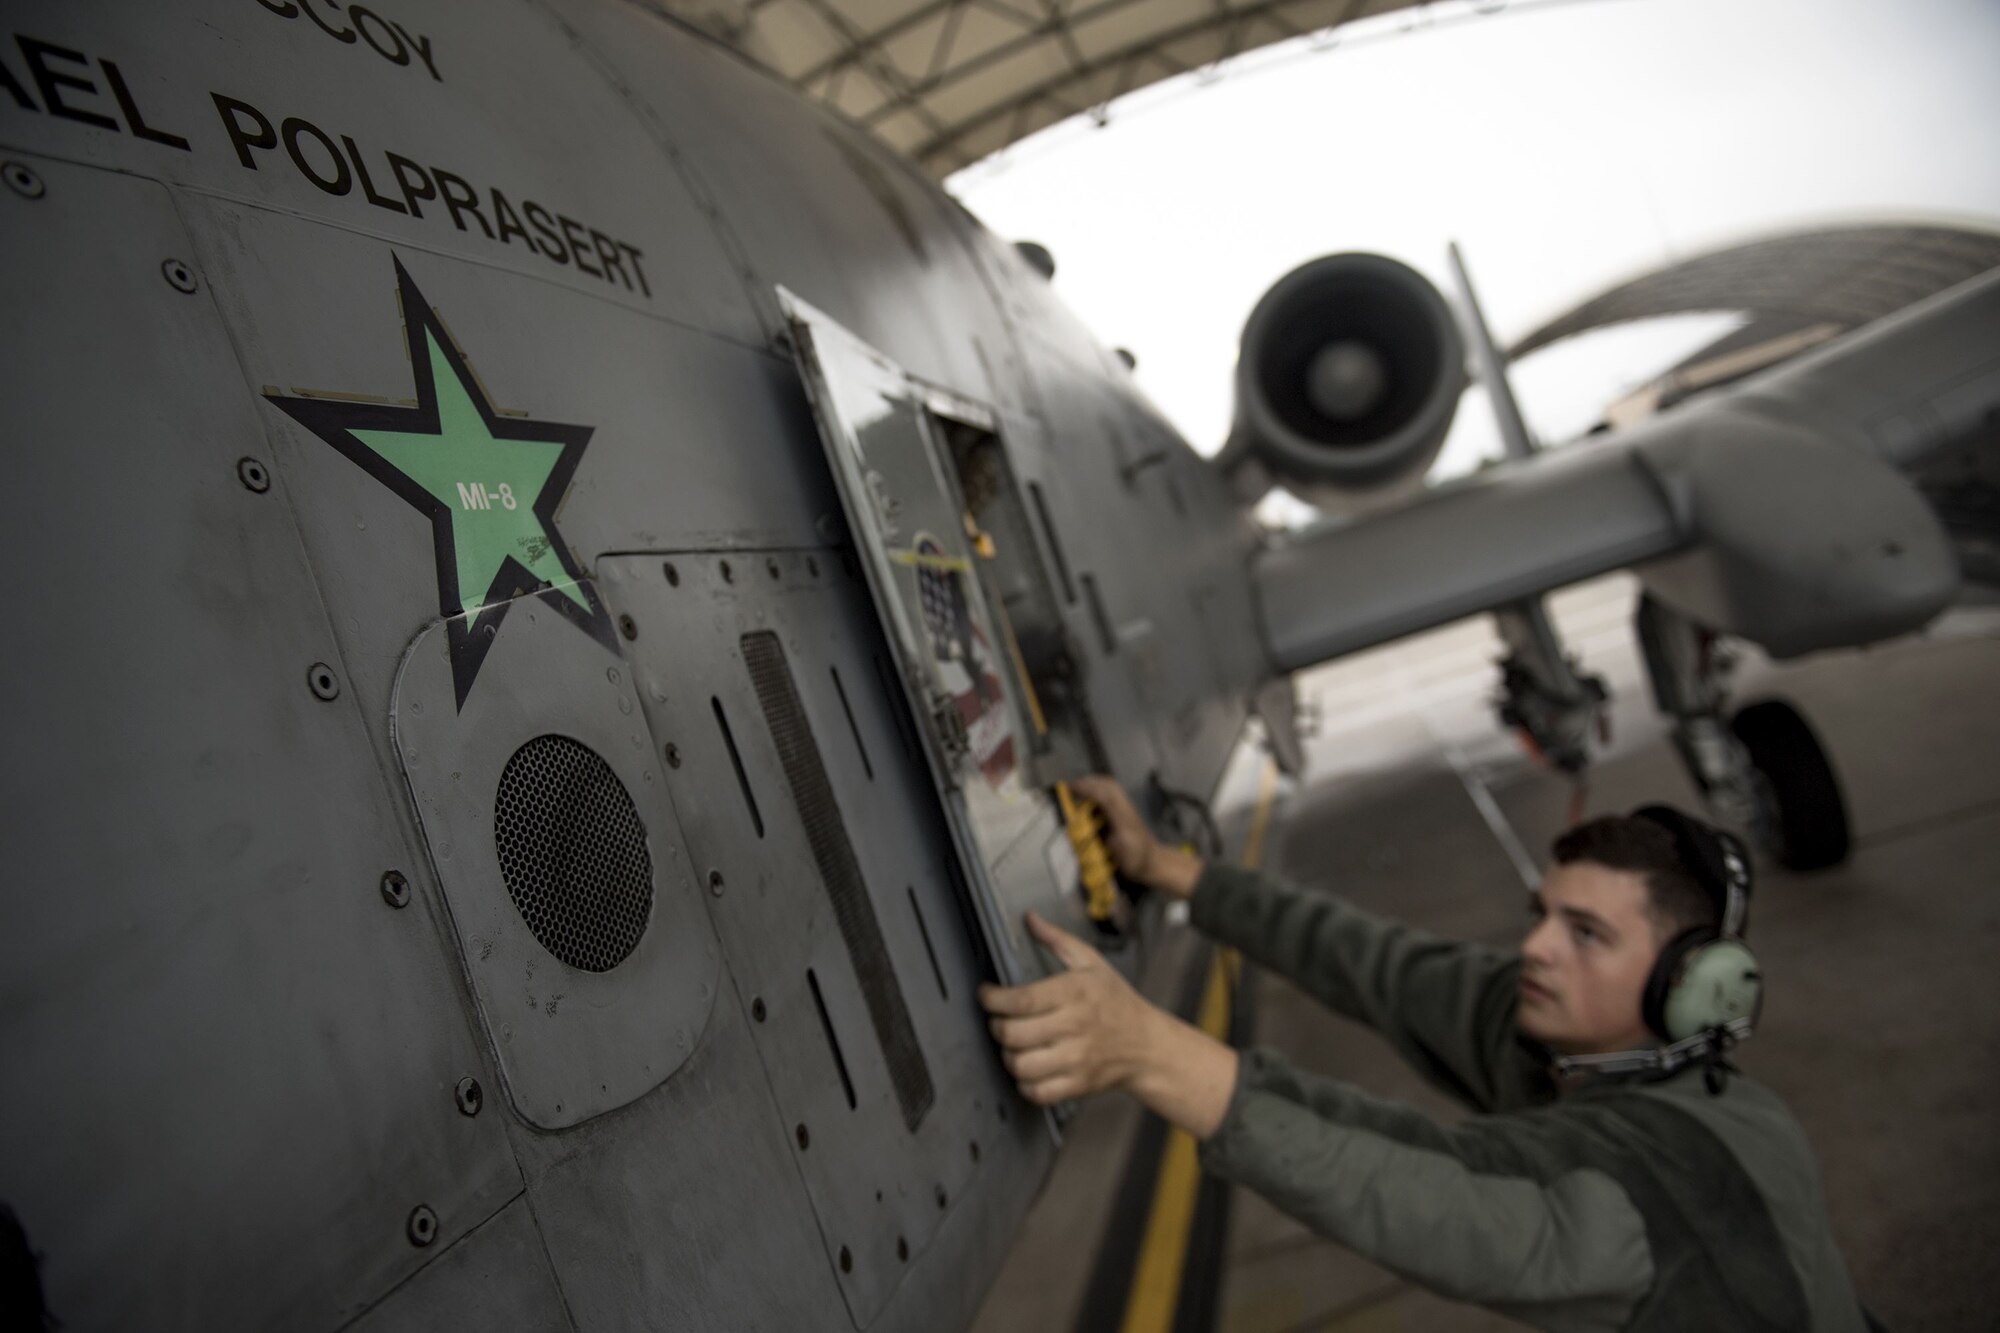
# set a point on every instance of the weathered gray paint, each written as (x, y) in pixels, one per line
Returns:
(242, 1059)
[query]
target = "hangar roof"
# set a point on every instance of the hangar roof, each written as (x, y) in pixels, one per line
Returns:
(1805, 284)
(947, 82)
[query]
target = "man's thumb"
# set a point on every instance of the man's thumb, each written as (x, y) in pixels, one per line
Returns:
(1068, 949)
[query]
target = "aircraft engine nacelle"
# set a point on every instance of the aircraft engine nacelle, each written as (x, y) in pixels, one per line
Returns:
(1350, 371)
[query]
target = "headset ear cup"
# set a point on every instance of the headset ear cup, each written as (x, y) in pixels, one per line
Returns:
(1717, 985)
(1666, 968)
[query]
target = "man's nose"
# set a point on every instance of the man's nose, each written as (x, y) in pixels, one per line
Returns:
(1538, 946)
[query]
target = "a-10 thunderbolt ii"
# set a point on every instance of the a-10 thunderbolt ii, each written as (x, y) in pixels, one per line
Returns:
(555, 587)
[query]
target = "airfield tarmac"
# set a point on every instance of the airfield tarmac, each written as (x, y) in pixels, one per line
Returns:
(1881, 1029)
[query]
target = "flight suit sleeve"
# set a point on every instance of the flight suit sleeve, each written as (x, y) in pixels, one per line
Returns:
(1495, 1211)
(1447, 1007)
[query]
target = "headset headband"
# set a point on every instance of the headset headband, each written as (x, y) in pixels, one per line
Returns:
(1715, 858)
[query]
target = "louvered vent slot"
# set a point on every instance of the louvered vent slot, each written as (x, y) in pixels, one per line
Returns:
(853, 910)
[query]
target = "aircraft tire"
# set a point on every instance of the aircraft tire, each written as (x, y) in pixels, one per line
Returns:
(1809, 815)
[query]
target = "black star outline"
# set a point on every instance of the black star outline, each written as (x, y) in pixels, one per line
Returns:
(470, 634)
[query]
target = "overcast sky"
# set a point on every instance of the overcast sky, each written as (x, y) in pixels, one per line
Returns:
(1566, 145)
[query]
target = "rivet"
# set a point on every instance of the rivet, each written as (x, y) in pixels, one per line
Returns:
(469, 1096)
(902, 1249)
(805, 1139)
(728, 574)
(23, 181)
(942, 1197)
(812, 566)
(423, 1226)
(179, 276)
(673, 575)
(253, 475)
(628, 627)
(673, 755)
(324, 684)
(715, 882)
(395, 889)
(975, 1150)
(771, 566)
(846, 1260)
(757, 1010)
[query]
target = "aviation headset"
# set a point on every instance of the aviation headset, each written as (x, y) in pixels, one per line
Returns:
(1705, 991)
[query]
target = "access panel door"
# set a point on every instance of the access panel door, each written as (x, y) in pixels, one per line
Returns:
(955, 654)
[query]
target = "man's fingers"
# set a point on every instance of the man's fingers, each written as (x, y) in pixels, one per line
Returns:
(1047, 1062)
(1102, 792)
(1019, 1001)
(1021, 1034)
(1048, 1092)
(1068, 949)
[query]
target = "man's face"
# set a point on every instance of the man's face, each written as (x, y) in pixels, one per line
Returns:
(1585, 960)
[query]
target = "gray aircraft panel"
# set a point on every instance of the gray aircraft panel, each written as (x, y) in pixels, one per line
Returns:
(496, 1277)
(879, 1185)
(239, 1050)
(684, 1210)
(572, 1041)
(673, 428)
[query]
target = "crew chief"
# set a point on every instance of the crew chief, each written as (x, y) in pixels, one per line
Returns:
(1675, 1198)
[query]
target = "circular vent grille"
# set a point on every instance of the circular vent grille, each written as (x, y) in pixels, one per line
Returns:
(573, 853)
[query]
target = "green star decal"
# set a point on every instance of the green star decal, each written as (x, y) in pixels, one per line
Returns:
(489, 484)
(486, 482)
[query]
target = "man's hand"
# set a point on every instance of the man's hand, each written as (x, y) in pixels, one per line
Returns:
(1138, 854)
(1078, 1032)
(1085, 1030)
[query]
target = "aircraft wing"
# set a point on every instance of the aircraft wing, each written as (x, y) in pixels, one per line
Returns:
(1775, 510)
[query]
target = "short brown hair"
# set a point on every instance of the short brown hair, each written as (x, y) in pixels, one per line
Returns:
(1675, 897)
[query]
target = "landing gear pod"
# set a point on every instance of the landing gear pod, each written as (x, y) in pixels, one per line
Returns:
(1350, 371)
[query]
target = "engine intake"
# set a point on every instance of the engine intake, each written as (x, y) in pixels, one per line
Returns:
(1349, 375)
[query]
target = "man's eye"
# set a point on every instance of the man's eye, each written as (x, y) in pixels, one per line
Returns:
(1586, 934)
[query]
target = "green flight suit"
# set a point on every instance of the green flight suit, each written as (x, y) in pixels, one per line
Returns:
(1633, 1203)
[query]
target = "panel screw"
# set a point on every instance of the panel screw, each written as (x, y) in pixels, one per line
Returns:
(772, 567)
(179, 276)
(325, 684)
(975, 1150)
(673, 755)
(628, 627)
(715, 882)
(757, 1010)
(23, 181)
(805, 1139)
(902, 1249)
(846, 1260)
(469, 1096)
(395, 889)
(423, 1227)
(673, 575)
(728, 574)
(252, 474)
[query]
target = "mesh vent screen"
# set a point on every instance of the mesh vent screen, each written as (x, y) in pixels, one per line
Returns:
(573, 853)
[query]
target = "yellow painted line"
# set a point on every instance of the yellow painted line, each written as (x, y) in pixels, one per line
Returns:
(1260, 820)
(1156, 1280)
(949, 564)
